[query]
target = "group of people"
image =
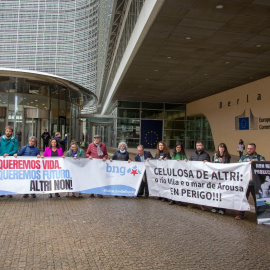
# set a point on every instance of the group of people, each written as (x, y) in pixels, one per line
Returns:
(220, 156)
(55, 147)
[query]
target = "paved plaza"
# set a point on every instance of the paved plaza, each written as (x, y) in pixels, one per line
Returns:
(131, 233)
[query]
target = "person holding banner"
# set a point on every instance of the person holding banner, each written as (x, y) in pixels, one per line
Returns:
(178, 154)
(54, 150)
(8, 145)
(199, 155)
(121, 154)
(141, 157)
(98, 150)
(29, 150)
(249, 157)
(221, 156)
(163, 153)
(74, 152)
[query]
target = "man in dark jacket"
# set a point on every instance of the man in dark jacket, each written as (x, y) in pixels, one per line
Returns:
(200, 154)
(62, 142)
(141, 157)
(29, 150)
(45, 137)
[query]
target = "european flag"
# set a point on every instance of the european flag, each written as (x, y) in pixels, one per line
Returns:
(244, 123)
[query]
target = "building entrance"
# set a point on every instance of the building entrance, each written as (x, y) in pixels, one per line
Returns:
(104, 130)
(35, 122)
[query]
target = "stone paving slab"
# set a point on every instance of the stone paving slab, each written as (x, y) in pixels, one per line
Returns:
(131, 233)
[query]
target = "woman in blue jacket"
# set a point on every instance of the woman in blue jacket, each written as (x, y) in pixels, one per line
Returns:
(29, 150)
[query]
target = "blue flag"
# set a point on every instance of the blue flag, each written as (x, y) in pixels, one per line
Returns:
(244, 123)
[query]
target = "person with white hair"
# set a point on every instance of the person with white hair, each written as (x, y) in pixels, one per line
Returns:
(121, 154)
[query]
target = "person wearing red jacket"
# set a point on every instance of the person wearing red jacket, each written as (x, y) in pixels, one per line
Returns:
(98, 150)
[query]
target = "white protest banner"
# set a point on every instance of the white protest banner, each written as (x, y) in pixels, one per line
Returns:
(28, 175)
(210, 184)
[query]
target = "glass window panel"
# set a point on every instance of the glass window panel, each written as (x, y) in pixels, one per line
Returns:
(175, 115)
(130, 113)
(128, 132)
(152, 114)
(174, 134)
(148, 105)
(174, 124)
(127, 104)
(180, 107)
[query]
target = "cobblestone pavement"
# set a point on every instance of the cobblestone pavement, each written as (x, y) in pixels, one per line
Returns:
(131, 233)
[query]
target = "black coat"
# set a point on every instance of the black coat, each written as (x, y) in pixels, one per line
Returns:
(200, 156)
(120, 156)
(162, 155)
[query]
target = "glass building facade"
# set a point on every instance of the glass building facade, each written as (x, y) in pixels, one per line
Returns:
(48, 65)
(32, 102)
(53, 36)
(148, 123)
(133, 118)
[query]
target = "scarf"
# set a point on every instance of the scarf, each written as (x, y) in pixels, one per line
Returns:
(99, 151)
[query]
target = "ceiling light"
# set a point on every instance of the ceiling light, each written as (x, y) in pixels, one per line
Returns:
(32, 102)
(188, 37)
(35, 99)
(4, 102)
(227, 62)
(169, 57)
(258, 45)
(205, 74)
(146, 79)
(219, 6)
(156, 69)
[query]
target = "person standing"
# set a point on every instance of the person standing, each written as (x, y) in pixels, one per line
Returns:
(62, 142)
(221, 156)
(54, 150)
(98, 150)
(241, 148)
(121, 154)
(199, 155)
(74, 152)
(45, 137)
(29, 150)
(8, 145)
(163, 153)
(249, 157)
(141, 157)
(178, 154)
